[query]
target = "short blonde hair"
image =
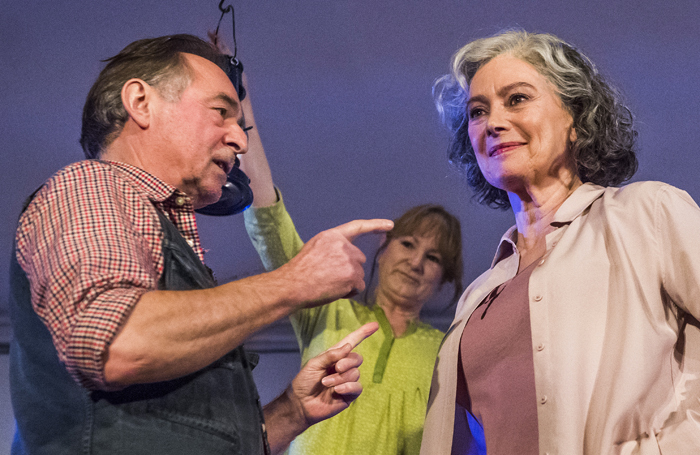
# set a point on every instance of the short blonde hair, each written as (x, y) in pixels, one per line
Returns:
(432, 220)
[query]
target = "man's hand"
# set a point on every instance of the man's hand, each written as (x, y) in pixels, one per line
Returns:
(326, 385)
(329, 266)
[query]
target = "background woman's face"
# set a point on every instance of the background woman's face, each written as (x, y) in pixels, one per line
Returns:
(518, 126)
(410, 269)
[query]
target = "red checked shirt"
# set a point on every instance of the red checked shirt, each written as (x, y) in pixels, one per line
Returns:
(90, 244)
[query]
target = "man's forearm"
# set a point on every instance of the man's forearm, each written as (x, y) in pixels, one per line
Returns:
(173, 333)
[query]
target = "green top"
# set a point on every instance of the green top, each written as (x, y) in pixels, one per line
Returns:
(396, 373)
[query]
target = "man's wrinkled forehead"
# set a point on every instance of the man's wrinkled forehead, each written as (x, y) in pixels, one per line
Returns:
(218, 86)
(208, 70)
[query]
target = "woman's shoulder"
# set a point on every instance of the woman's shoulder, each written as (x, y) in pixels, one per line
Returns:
(428, 332)
(647, 195)
(642, 189)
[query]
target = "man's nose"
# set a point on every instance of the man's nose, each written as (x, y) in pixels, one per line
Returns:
(237, 139)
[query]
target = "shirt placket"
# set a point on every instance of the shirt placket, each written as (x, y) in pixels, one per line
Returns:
(540, 300)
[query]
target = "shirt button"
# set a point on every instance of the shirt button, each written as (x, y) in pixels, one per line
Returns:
(190, 243)
(540, 347)
(542, 261)
(180, 201)
(543, 400)
(538, 298)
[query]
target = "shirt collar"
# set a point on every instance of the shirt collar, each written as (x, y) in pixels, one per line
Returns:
(572, 208)
(154, 188)
(575, 204)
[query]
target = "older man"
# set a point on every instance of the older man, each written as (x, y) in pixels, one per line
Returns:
(123, 342)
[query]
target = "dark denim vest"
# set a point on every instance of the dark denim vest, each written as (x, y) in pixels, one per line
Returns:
(213, 411)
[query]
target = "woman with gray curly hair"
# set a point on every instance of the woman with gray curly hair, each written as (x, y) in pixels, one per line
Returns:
(583, 336)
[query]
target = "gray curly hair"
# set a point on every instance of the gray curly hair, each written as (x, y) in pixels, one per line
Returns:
(604, 151)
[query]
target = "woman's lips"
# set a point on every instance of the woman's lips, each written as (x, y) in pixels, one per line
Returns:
(503, 147)
(409, 277)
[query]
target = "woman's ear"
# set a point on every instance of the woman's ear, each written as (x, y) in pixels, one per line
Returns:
(136, 98)
(381, 248)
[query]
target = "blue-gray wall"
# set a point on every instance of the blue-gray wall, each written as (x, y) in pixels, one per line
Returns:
(341, 91)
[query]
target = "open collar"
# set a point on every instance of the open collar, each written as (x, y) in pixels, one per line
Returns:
(572, 208)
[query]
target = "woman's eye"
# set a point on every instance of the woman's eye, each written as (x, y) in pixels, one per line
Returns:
(517, 99)
(407, 244)
(434, 259)
(476, 112)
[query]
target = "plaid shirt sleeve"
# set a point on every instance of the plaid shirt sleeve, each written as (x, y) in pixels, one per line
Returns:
(90, 244)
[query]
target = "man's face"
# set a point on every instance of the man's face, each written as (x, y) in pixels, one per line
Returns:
(199, 135)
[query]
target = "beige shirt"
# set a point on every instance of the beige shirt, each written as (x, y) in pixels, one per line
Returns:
(614, 305)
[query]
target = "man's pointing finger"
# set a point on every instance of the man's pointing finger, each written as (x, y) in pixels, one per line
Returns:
(354, 338)
(356, 228)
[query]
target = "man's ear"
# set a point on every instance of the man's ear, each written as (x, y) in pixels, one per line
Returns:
(136, 98)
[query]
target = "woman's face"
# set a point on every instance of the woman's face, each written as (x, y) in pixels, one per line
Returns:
(410, 270)
(518, 126)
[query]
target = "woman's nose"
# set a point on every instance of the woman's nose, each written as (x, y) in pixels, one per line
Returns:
(496, 122)
(416, 261)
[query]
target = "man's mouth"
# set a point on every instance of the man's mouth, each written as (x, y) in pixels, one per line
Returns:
(224, 165)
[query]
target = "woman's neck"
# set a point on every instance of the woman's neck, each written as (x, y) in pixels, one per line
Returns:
(399, 316)
(534, 213)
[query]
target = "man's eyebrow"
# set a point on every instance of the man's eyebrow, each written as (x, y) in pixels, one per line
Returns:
(501, 92)
(233, 104)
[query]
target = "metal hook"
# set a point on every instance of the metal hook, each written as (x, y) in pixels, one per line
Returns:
(223, 10)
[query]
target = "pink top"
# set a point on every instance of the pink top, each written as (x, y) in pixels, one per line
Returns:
(496, 373)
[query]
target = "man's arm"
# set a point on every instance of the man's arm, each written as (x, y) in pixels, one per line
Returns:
(173, 333)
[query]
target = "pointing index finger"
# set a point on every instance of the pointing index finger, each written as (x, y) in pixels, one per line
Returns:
(356, 228)
(358, 335)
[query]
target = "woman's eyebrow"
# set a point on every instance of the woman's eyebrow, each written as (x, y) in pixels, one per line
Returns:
(501, 92)
(477, 98)
(508, 88)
